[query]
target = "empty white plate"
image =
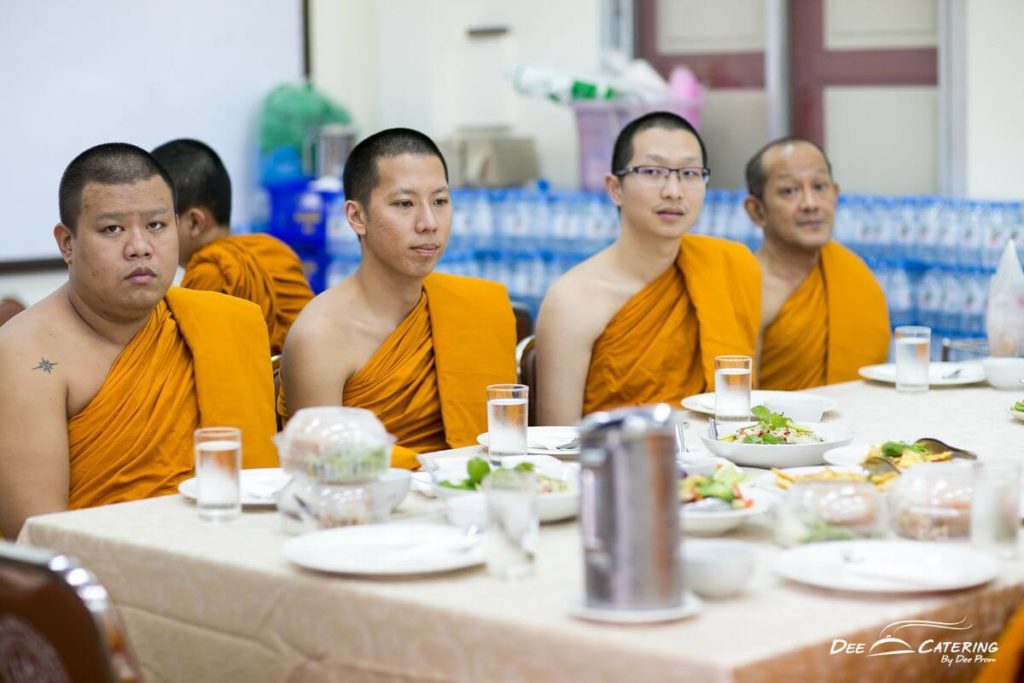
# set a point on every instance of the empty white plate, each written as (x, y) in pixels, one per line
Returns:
(705, 403)
(690, 606)
(887, 566)
(386, 549)
(259, 486)
(544, 441)
(939, 374)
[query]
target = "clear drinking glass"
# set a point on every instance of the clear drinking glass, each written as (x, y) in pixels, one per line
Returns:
(218, 452)
(995, 506)
(732, 388)
(512, 523)
(913, 347)
(506, 419)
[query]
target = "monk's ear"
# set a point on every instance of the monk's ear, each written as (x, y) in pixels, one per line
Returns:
(613, 185)
(62, 234)
(195, 222)
(356, 215)
(755, 209)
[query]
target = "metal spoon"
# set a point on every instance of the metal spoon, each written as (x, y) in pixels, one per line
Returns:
(935, 446)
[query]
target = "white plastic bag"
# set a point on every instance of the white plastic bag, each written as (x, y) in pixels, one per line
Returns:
(1004, 316)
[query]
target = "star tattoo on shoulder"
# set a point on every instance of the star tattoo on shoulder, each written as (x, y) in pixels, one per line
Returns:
(46, 366)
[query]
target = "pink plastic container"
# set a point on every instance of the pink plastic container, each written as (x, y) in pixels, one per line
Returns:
(598, 122)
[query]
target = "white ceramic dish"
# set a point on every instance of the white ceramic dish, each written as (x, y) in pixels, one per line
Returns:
(705, 523)
(848, 456)
(543, 441)
(767, 479)
(939, 374)
(259, 486)
(796, 406)
(690, 606)
(717, 568)
(705, 403)
(385, 549)
(781, 455)
(887, 566)
(1004, 373)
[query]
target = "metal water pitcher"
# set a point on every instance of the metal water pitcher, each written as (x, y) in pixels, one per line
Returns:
(629, 509)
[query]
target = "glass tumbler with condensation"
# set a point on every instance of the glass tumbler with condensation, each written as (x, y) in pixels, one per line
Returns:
(218, 454)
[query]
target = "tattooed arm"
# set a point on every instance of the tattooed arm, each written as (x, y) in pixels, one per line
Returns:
(34, 468)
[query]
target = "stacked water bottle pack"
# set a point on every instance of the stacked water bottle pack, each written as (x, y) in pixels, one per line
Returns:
(934, 257)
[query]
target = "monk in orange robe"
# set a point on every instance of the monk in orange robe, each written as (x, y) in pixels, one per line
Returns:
(642, 320)
(417, 349)
(256, 267)
(1008, 666)
(107, 377)
(823, 314)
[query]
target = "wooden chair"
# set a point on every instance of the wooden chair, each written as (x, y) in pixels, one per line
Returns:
(524, 321)
(57, 622)
(526, 361)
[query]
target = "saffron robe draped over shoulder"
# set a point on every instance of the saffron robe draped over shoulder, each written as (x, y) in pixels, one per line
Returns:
(200, 360)
(427, 382)
(836, 322)
(661, 345)
(259, 268)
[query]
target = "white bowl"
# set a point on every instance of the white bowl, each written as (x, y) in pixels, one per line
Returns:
(797, 407)
(551, 507)
(1004, 373)
(782, 455)
(715, 522)
(394, 486)
(465, 511)
(695, 462)
(717, 568)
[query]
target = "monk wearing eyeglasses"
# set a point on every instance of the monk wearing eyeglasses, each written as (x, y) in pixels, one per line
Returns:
(823, 314)
(642, 320)
(106, 378)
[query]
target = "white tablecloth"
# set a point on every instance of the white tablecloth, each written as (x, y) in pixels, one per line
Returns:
(209, 602)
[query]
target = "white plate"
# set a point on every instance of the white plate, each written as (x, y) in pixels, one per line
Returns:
(542, 441)
(258, 486)
(1017, 415)
(781, 455)
(691, 606)
(848, 456)
(766, 479)
(970, 373)
(887, 566)
(705, 403)
(720, 521)
(385, 549)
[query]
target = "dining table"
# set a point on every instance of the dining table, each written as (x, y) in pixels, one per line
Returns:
(219, 602)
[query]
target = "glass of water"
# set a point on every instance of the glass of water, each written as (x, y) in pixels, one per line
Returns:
(913, 346)
(732, 388)
(218, 452)
(512, 523)
(506, 419)
(995, 506)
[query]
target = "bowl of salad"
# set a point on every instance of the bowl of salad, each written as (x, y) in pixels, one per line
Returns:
(774, 440)
(714, 504)
(558, 495)
(1017, 410)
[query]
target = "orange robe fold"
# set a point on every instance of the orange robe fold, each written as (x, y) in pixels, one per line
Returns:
(427, 382)
(661, 345)
(258, 268)
(200, 360)
(836, 322)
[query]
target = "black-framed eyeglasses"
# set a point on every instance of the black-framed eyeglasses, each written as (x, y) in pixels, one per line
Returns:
(690, 176)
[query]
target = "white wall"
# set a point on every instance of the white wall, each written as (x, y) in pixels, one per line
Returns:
(74, 74)
(995, 99)
(410, 63)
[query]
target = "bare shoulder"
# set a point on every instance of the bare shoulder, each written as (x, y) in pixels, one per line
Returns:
(582, 301)
(38, 352)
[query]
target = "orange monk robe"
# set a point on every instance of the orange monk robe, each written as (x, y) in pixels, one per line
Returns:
(427, 382)
(1008, 666)
(834, 323)
(200, 360)
(256, 267)
(661, 345)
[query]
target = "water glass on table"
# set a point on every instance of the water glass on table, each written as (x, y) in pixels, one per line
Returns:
(913, 347)
(512, 523)
(218, 453)
(995, 506)
(506, 419)
(732, 388)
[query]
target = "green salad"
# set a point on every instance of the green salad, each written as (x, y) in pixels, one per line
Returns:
(772, 428)
(723, 484)
(1019, 406)
(478, 469)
